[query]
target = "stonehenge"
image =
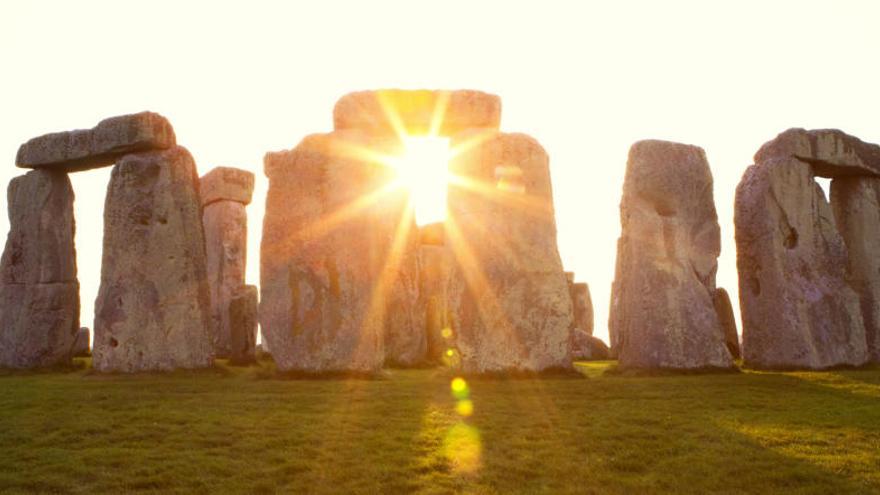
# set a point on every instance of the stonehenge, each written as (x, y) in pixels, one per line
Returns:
(798, 281)
(508, 297)
(39, 290)
(225, 192)
(662, 311)
(350, 283)
(152, 312)
(81, 346)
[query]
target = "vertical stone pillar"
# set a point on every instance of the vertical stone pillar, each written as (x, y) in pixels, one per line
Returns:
(153, 305)
(225, 192)
(243, 325)
(39, 291)
(662, 312)
(508, 294)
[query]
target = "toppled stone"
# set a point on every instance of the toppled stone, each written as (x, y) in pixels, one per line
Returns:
(81, 343)
(855, 202)
(662, 313)
(586, 347)
(243, 325)
(798, 311)
(39, 291)
(225, 224)
(99, 146)
(227, 183)
(379, 112)
(728, 322)
(328, 276)
(508, 296)
(153, 306)
(830, 152)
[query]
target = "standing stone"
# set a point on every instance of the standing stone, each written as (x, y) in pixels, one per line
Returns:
(336, 256)
(224, 192)
(81, 343)
(434, 266)
(153, 305)
(856, 205)
(728, 323)
(582, 306)
(243, 325)
(508, 296)
(662, 314)
(798, 311)
(100, 146)
(39, 291)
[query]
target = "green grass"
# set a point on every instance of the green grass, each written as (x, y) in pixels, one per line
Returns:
(240, 430)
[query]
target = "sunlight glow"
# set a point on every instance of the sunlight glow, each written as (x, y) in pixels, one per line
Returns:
(424, 170)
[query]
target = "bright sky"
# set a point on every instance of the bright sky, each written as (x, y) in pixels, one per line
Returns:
(585, 78)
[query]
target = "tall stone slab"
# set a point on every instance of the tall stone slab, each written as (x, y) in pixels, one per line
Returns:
(508, 296)
(225, 192)
(338, 255)
(855, 202)
(434, 264)
(243, 325)
(39, 291)
(798, 311)
(153, 306)
(724, 309)
(662, 313)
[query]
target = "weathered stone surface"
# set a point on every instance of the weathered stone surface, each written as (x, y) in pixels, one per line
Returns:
(434, 264)
(855, 202)
(225, 224)
(831, 152)
(152, 310)
(333, 262)
(587, 347)
(81, 343)
(432, 235)
(99, 146)
(797, 309)
(243, 325)
(724, 309)
(582, 305)
(508, 296)
(662, 314)
(417, 111)
(227, 183)
(39, 291)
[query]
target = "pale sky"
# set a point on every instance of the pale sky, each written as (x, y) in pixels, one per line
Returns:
(587, 79)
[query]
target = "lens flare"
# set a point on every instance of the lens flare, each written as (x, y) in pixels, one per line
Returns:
(459, 388)
(463, 448)
(446, 333)
(464, 407)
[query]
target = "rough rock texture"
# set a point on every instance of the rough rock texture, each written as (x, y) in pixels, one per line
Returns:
(832, 153)
(724, 309)
(39, 291)
(243, 325)
(152, 310)
(855, 202)
(81, 343)
(338, 277)
(417, 111)
(225, 224)
(582, 305)
(587, 347)
(508, 296)
(662, 314)
(99, 146)
(797, 309)
(434, 264)
(227, 183)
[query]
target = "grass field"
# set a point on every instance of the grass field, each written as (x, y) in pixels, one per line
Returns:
(241, 430)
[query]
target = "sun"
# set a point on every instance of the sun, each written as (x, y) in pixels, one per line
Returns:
(423, 168)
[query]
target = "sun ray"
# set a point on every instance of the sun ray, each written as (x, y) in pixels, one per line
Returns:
(530, 204)
(439, 113)
(389, 109)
